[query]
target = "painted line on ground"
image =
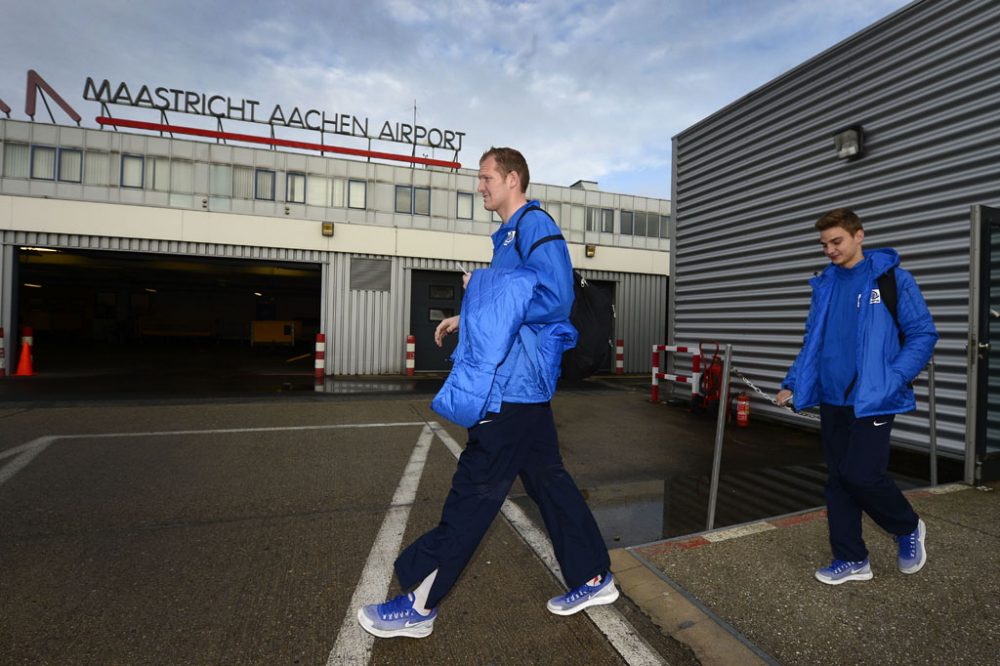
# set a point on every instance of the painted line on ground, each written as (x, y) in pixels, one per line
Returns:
(623, 637)
(354, 645)
(24, 453)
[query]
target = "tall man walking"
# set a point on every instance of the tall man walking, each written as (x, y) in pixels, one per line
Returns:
(857, 363)
(514, 330)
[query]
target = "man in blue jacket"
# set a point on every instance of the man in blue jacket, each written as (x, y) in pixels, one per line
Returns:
(857, 365)
(514, 330)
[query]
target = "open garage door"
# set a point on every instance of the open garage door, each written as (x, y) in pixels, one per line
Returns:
(95, 310)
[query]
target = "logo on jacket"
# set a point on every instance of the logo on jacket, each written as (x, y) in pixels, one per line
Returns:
(510, 237)
(876, 297)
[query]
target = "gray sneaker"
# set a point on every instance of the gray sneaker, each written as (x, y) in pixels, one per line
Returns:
(912, 554)
(840, 571)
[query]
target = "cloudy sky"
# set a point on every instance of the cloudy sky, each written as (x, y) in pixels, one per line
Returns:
(587, 90)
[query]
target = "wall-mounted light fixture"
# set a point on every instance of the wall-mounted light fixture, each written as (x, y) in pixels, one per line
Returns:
(327, 228)
(591, 250)
(850, 142)
(204, 203)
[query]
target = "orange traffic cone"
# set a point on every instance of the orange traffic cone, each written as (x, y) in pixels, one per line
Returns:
(24, 363)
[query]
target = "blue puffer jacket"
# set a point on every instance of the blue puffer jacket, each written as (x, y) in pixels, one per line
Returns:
(514, 324)
(884, 369)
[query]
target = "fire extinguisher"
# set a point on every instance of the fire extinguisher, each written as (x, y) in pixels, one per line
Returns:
(743, 410)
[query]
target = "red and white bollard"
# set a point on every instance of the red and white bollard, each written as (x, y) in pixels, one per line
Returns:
(411, 354)
(654, 395)
(619, 356)
(320, 366)
(3, 355)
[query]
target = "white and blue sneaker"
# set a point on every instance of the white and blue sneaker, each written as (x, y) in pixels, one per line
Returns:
(912, 554)
(598, 590)
(840, 571)
(396, 618)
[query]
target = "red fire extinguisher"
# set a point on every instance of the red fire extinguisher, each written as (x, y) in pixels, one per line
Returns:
(743, 410)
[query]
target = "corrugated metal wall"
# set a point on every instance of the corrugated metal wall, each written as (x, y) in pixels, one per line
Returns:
(750, 181)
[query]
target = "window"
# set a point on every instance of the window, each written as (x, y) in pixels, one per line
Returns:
(627, 222)
(158, 174)
(132, 171)
(664, 226)
(243, 180)
(220, 180)
(295, 188)
(652, 225)
(600, 219)
(70, 166)
(576, 218)
(356, 191)
(16, 160)
(640, 223)
(264, 187)
(337, 196)
(421, 201)
(464, 211)
(318, 192)
(182, 177)
(403, 199)
(96, 168)
(43, 162)
(607, 220)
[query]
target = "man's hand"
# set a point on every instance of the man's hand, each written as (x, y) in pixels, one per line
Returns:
(446, 327)
(784, 395)
(465, 280)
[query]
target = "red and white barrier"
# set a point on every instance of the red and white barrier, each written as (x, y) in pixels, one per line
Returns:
(3, 355)
(320, 365)
(694, 379)
(619, 356)
(411, 354)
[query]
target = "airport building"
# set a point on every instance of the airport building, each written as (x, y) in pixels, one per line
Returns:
(899, 122)
(141, 233)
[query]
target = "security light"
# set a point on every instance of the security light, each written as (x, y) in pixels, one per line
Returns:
(850, 142)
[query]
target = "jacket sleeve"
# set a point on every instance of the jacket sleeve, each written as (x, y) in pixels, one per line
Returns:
(789, 381)
(917, 326)
(553, 298)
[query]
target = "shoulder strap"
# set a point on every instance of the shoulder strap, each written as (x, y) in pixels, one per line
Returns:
(889, 295)
(517, 234)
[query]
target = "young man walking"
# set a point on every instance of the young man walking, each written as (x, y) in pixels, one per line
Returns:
(857, 363)
(514, 329)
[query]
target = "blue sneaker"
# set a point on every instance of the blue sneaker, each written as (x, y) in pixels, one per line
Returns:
(585, 596)
(912, 554)
(840, 571)
(396, 618)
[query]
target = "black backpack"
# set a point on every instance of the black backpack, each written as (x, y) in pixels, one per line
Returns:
(889, 295)
(592, 315)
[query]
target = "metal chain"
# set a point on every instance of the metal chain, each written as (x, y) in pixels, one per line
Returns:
(769, 398)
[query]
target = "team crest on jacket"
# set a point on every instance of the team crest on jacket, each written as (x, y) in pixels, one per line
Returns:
(876, 297)
(510, 237)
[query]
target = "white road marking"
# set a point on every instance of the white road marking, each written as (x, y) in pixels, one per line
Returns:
(354, 645)
(224, 431)
(25, 454)
(622, 636)
(738, 531)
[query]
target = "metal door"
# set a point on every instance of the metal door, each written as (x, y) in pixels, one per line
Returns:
(436, 295)
(982, 454)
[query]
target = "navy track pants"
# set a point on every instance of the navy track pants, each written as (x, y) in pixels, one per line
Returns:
(520, 440)
(857, 457)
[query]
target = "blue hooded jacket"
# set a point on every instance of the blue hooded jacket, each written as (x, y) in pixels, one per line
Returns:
(514, 323)
(885, 369)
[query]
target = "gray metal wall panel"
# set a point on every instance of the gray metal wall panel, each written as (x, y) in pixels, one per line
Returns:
(750, 180)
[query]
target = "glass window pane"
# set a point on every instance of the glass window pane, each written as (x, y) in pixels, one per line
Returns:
(553, 208)
(402, 199)
(607, 220)
(591, 219)
(132, 171)
(43, 162)
(356, 194)
(318, 192)
(337, 196)
(16, 160)
(421, 201)
(296, 186)
(664, 226)
(265, 185)
(242, 182)
(182, 177)
(576, 218)
(220, 180)
(464, 206)
(640, 223)
(158, 174)
(627, 222)
(70, 166)
(96, 168)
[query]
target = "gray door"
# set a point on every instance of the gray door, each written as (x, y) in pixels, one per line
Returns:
(436, 295)
(983, 437)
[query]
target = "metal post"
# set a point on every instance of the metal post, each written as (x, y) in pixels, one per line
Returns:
(932, 418)
(720, 427)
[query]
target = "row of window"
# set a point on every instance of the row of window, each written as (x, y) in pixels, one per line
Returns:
(162, 174)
